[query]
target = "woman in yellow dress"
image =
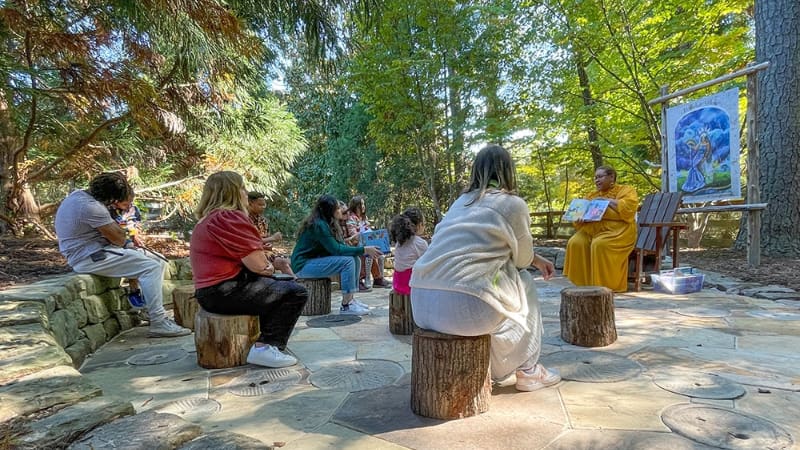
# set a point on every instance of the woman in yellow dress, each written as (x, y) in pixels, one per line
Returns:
(597, 254)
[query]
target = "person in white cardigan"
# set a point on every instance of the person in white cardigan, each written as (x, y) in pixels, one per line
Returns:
(472, 280)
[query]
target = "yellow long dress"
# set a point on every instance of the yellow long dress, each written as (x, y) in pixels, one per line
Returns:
(597, 254)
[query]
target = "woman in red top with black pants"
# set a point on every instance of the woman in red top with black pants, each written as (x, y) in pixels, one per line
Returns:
(232, 274)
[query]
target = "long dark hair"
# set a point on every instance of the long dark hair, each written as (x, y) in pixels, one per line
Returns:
(493, 167)
(325, 210)
(404, 225)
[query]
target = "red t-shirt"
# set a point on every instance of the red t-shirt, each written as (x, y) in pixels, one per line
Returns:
(219, 242)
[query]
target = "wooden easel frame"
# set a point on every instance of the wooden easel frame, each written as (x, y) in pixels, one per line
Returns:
(753, 207)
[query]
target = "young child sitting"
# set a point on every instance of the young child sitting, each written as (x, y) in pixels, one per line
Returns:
(128, 216)
(404, 231)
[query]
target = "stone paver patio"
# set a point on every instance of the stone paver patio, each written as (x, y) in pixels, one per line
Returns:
(722, 369)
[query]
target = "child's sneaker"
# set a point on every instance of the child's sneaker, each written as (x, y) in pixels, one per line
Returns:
(536, 378)
(352, 309)
(381, 282)
(136, 299)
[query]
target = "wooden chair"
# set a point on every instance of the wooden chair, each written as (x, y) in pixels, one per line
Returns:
(655, 222)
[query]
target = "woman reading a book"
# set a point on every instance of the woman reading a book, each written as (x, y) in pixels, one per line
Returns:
(472, 280)
(597, 254)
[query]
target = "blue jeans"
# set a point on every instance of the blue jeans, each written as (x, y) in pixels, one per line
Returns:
(347, 267)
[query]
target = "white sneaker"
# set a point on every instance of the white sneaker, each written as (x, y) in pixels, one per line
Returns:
(353, 309)
(167, 328)
(536, 378)
(358, 303)
(269, 356)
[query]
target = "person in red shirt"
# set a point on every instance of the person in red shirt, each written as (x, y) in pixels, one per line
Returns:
(233, 276)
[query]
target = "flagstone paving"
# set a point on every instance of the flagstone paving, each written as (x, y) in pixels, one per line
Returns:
(729, 358)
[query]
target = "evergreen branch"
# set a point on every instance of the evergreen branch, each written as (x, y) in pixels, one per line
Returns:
(78, 147)
(166, 185)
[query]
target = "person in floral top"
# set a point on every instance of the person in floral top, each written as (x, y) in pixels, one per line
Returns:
(256, 204)
(357, 222)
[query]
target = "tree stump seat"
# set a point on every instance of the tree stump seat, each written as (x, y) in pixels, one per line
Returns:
(587, 316)
(319, 296)
(185, 306)
(401, 318)
(450, 376)
(223, 341)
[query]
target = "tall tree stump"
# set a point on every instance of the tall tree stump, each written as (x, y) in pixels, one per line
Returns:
(449, 375)
(319, 296)
(587, 316)
(184, 306)
(223, 341)
(401, 318)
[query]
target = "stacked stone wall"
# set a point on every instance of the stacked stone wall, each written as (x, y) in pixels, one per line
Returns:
(77, 313)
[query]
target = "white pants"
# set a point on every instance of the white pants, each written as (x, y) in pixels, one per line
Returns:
(131, 263)
(462, 314)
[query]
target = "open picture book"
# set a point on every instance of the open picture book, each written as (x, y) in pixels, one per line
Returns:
(588, 210)
(376, 238)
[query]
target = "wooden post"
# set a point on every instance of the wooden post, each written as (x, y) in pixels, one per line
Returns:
(449, 375)
(664, 151)
(319, 296)
(401, 318)
(753, 173)
(587, 316)
(223, 341)
(185, 306)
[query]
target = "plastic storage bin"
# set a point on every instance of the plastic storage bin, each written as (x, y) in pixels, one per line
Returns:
(681, 281)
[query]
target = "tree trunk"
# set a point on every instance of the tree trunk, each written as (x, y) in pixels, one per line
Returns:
(185, 306)
(401, 318)
(587, 316)
(588, 102)
(319, 296)
(778, 42)
(223, 341)
(449, 375)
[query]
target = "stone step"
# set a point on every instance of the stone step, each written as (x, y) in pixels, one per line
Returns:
(148, 430)
(70, 423)
(26, 349)
(225, 440)
(49, 389)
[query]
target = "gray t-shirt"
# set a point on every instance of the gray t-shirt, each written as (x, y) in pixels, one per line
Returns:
(77, 220)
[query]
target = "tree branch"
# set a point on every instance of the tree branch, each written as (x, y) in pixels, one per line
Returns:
(166, 185)
(79, 146)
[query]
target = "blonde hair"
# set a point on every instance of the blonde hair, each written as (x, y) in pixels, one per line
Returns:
(223, 190)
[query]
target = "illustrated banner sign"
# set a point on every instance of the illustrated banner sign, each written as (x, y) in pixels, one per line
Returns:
(703, 148)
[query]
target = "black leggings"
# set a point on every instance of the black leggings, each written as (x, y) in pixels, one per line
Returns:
(277, 304)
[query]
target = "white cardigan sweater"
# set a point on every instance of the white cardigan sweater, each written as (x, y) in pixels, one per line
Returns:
(478, 249)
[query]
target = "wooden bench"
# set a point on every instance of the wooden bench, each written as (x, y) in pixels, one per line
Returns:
(450, 376)
(587, 316)
(319, 296)
(401, 318)
(223, 341)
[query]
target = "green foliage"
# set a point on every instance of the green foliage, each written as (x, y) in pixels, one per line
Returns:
(165, 87)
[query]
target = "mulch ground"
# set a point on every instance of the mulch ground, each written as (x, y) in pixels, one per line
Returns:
(30, 259)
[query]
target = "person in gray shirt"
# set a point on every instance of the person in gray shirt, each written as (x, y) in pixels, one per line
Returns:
(94, 243)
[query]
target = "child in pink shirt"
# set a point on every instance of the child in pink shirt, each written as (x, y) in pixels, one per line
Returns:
(404, 231)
